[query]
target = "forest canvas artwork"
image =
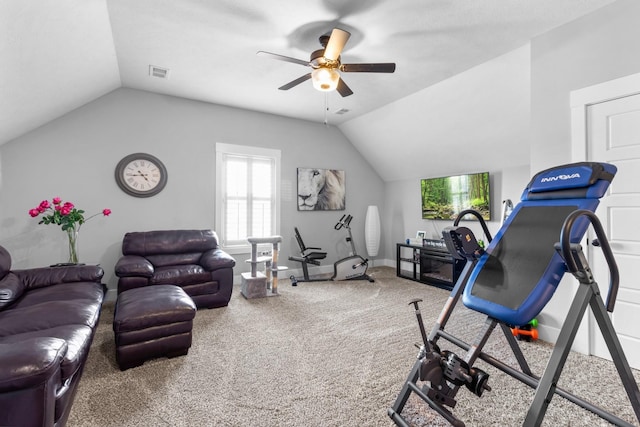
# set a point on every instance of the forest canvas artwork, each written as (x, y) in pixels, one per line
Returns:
(445, 197)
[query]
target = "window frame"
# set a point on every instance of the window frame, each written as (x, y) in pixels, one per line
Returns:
(223, 149)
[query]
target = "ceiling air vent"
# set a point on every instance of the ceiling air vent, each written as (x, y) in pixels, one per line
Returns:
(161, 73)
(342, 111)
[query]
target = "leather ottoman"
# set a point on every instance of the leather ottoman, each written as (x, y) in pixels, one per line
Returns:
(152, 321)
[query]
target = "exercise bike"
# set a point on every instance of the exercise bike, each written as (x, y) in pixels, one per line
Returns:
(353, 267)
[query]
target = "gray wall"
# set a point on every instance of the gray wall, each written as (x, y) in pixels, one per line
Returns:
(599, 47)
(74, 157)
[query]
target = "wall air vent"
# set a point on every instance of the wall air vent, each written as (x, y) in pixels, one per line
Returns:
(161, 73)
(342, 111)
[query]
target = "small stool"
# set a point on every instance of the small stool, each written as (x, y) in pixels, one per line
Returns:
(152, 321)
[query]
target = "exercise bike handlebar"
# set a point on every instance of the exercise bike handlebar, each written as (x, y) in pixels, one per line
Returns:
(344, 221)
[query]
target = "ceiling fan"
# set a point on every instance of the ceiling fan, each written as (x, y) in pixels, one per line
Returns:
(326, 64)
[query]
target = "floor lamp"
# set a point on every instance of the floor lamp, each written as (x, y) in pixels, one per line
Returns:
(372, 231)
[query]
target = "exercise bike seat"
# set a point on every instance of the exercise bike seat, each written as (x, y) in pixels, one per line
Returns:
(519, 272)
(308, 253)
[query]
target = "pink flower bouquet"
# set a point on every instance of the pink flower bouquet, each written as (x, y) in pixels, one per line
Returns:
(67, 216)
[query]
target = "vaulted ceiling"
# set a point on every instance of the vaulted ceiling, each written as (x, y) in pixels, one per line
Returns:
(57, 55)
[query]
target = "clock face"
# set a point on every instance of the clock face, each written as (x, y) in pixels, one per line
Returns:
(141, 175)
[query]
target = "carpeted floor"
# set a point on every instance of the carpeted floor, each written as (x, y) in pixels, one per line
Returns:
(320, 354)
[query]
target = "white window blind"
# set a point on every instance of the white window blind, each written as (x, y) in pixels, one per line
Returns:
(247, 196)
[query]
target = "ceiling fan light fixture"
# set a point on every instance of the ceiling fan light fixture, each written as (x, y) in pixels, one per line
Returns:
(325, 79)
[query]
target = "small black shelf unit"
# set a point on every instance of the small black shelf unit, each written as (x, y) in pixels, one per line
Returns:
(430, 263)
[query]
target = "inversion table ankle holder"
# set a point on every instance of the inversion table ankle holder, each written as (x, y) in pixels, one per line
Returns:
(511, 282)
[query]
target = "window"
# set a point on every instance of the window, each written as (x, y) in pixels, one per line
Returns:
(247, 194)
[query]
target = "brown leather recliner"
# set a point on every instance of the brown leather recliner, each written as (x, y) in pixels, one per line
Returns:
(190, 259)
(48, 318)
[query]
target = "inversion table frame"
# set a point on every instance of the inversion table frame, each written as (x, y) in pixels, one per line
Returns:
(444, 372)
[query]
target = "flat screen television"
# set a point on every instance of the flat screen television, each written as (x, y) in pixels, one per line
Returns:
(445, 197)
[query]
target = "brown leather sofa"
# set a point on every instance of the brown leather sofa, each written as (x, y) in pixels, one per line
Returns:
(190, 259)
(48, 318)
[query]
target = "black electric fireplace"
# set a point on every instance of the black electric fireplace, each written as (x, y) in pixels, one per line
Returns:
(437, 266)
(430, 263)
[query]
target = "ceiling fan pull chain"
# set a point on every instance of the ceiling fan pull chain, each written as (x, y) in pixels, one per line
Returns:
(326, 108)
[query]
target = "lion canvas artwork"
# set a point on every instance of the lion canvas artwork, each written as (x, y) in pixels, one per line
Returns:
(321, 189)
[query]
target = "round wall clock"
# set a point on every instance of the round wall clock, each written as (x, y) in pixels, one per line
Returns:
(141, 175)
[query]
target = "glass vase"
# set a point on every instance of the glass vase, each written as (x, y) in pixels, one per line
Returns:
(72, 234)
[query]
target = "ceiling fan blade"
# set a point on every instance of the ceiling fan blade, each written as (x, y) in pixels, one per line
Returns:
(388, 67)
(343, 89)
(336, 43)
(296, 82)
(283, 58)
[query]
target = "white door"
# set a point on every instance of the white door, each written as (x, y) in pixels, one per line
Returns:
(613, 136)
